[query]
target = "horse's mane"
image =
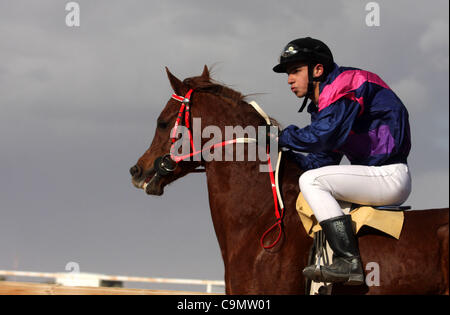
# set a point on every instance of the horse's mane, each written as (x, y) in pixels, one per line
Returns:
(210, 86)
(229, 95)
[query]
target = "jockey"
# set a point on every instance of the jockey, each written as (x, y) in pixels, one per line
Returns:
(353, 113)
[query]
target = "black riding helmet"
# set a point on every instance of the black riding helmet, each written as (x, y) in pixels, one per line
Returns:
(310, 51)
(307, 50)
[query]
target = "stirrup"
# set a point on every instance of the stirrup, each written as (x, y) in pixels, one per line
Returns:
(318, 255)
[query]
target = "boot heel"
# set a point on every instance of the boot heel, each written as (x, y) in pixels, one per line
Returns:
(355, 279)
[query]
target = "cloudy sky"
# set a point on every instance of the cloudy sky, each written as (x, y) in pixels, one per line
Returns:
(79, 107)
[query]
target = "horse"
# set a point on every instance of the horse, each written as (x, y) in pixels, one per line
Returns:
(242, 208)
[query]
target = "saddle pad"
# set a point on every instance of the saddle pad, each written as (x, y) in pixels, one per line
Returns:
(389, 222)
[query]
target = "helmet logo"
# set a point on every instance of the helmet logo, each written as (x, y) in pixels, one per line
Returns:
(289, 51)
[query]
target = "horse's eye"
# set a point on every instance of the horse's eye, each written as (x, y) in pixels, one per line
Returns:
(162, 125)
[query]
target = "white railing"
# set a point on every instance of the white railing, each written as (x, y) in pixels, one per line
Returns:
(72, 278)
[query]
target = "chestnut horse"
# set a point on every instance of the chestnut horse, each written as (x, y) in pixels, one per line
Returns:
(242, 209)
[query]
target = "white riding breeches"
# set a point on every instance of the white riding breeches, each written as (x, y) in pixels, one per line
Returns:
(365, 185)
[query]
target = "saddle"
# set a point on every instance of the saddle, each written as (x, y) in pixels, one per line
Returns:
(387, 219)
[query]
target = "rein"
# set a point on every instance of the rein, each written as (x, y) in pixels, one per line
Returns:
(167, 164)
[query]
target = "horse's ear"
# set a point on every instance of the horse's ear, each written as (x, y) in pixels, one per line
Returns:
(205, 73)
(176, 84)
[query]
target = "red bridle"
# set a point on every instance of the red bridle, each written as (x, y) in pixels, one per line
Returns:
(185, 109)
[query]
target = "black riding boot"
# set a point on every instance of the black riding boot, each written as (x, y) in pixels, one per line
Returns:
(346, 266)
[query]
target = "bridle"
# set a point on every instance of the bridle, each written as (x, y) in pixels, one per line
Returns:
(167, 164)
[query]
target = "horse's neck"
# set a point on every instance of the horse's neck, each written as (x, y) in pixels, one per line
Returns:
(241, 201)
(235, 190)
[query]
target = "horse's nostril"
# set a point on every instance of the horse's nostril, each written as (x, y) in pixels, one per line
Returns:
(135, 170)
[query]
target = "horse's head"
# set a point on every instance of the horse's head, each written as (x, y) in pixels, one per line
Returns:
(155, 168)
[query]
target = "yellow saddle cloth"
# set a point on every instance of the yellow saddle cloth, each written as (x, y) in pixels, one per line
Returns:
(389, 222)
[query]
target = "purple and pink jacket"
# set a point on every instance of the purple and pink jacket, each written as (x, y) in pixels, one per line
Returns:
(358, 116)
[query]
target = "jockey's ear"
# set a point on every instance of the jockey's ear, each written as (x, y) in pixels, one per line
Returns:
(318, 70)
(205, 73)
(176, 84)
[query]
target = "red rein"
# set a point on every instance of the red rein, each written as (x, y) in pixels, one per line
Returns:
(185, 108)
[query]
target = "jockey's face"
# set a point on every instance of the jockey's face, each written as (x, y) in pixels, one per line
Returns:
(298, 79)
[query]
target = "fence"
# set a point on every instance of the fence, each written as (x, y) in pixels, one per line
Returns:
(93, 280)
